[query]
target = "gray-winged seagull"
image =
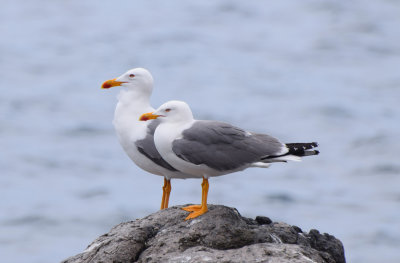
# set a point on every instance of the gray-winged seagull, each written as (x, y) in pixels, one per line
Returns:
(205, 149)
(136, 137)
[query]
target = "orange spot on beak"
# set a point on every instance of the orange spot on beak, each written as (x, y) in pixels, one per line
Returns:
(111, 83)
(148, 116)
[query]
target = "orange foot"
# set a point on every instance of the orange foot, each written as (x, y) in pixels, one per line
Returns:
(199, 212)
(192, 208)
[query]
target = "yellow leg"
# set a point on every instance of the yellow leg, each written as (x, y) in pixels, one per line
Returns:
(197, 210)
(166, 192)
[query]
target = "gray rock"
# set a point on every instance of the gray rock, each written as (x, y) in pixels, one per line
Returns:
(221, 235)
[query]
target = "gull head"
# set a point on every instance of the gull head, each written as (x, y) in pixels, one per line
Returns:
(171, 111)
(136, 79)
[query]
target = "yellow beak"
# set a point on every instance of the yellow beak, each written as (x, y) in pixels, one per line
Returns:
(148, 116)
(111, 83)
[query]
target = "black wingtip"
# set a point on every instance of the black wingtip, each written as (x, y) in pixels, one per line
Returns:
(302, 149)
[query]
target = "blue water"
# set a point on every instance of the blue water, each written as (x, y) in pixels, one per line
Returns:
(325, 71)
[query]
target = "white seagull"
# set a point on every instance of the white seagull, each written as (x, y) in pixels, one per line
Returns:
(205, 149)
(136, 137)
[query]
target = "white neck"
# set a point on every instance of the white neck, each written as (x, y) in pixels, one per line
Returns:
(133, 97)
(131, 105)
(165, 135)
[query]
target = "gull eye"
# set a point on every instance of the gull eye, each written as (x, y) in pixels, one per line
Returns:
(167, 110)
(131, 76)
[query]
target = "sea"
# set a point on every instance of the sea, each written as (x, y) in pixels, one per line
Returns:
(312, 70)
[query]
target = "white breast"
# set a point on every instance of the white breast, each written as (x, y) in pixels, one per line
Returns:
(165, 134)
(129, 129)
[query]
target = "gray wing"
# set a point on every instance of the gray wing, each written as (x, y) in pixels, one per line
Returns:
(223, 147)
(147, 147)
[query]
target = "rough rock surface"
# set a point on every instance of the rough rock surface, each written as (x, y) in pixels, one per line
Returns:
(221, 235)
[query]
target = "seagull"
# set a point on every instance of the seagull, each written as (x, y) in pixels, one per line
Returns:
(204, 148)
(136, 137)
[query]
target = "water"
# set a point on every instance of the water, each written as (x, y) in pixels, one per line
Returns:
(302, 71)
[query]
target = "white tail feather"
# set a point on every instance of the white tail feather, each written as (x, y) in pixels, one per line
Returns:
(285, 158)
(260, 164)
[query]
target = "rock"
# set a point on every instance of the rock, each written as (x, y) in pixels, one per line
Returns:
(221, 235)
(263, 220)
